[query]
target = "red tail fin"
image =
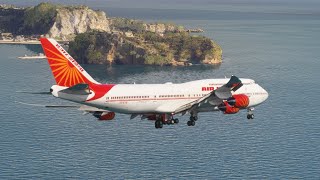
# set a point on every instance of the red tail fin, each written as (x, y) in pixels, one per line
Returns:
(66, 71)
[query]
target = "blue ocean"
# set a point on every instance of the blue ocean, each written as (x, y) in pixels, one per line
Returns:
(276, 43)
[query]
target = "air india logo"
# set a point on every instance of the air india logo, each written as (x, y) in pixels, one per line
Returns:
(65, 72)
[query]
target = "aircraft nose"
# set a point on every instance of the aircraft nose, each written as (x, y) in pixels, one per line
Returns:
(266, 94)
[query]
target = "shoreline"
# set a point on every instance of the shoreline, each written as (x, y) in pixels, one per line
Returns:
(18, 42)
(31, 57)
(26, 42)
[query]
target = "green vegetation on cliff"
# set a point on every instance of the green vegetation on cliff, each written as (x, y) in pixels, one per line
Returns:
(35, 20)
(28, 21)
(181, 46)
(124, 24)
(91, 48)
(39, 19)
(144, 48)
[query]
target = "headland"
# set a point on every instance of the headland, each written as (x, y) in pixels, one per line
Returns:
(95, 38)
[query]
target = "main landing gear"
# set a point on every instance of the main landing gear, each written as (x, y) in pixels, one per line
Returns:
(193, 119)
(161, 120)
(158, 124)
(250, 114)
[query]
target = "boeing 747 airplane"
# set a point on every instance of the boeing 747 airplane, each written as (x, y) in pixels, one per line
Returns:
(158, 102)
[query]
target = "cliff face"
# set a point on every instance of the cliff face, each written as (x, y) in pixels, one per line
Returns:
(56, 21)
(70, 22)
(64, 22)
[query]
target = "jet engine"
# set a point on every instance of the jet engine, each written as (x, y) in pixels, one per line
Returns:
(227, 109)
(238, 101)
(104, 116)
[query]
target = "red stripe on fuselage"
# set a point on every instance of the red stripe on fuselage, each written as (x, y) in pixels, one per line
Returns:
(100, 90)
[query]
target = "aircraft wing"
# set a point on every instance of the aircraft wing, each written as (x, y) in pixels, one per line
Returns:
(80, 107)
(49, 106)
(214, 98)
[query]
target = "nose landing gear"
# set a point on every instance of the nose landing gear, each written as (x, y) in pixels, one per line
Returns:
(250, 114)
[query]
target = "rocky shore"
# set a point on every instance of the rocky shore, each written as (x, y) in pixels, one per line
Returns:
(96, 38)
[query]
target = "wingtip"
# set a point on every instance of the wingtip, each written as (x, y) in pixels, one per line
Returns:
(234, 82)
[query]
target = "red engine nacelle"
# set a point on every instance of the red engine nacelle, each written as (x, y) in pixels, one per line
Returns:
(239, 101)
(227, 109)
(107, 116)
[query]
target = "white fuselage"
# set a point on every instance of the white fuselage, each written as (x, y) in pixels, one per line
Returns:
(165, 98)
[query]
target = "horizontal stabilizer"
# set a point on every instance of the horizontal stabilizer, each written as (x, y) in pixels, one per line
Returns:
(49, 106)
(78, 89)
(30, 92)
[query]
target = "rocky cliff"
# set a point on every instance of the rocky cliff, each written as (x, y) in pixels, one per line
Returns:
(96, 39)
(72, 21)
(64, 22)
(56, 21)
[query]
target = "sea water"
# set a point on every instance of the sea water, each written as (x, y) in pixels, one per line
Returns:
(276, 44)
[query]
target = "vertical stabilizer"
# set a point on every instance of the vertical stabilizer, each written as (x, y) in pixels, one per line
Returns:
(66, 71)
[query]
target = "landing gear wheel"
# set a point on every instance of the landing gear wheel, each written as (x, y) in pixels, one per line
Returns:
(158, 124)
(250, 116)
(169, 122)
(191, 123)
(193, 118)
(176, 121)
(250, 113)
